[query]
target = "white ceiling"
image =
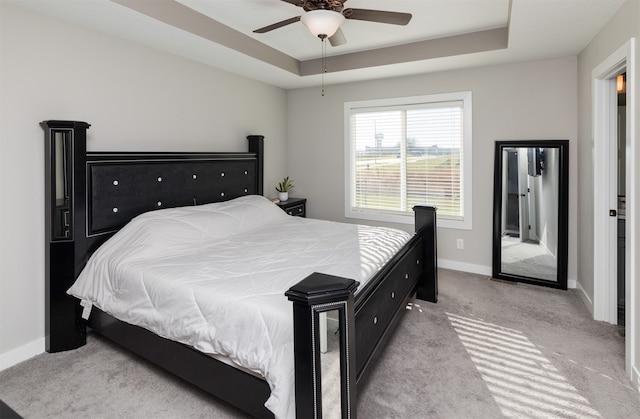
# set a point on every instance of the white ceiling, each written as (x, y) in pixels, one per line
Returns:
(219, 33)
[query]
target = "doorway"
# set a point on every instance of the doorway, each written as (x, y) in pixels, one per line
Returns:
(606, 180)
(622, 202)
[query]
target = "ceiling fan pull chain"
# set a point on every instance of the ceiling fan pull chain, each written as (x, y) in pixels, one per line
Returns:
(324, 58)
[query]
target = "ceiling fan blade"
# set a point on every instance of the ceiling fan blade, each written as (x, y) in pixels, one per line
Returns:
(278, 25)
(380, 16)
(337, 38)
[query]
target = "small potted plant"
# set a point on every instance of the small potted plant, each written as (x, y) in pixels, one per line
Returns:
(283, 188)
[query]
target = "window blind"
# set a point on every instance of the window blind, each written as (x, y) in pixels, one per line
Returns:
(407, 155)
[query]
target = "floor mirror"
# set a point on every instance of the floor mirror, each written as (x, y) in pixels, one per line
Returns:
(530, 212)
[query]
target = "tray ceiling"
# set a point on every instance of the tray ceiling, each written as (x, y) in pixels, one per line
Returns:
(442, 35)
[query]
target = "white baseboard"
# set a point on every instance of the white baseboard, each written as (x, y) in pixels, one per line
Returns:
(585, 298)
(483, 270)
(465, 267)
(635, 378)
(16, 356)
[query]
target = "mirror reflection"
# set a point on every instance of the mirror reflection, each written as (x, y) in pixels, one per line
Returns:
(61, 201)
(530, 212)
(330, 364)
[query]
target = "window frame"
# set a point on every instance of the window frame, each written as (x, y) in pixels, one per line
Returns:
(379, 215)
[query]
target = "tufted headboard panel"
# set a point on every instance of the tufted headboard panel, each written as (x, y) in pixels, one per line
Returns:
(120, 187)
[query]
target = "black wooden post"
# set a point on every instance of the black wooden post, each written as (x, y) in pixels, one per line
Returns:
(65, 155)
(256, 145)
(313, 295)
(425, 225)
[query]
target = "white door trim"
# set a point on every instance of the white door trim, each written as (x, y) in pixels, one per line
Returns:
(605, 196)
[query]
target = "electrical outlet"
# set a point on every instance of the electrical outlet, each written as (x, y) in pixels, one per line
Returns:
(460, 243)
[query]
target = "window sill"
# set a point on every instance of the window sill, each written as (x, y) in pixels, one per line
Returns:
(407, 219)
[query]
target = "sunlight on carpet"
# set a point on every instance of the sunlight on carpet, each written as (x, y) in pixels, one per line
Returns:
(522, 380)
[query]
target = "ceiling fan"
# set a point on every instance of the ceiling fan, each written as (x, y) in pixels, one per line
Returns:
(324, 17)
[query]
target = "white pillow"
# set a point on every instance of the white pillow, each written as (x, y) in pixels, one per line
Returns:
(194, 224)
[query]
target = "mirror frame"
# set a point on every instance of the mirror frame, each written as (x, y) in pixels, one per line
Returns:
(563, 211)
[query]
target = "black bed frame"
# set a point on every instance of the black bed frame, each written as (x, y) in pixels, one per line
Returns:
(90, 195)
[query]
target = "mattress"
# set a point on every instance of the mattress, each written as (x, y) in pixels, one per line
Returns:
(214, 277)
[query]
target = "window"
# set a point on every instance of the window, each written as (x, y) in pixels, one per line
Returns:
(408, 151)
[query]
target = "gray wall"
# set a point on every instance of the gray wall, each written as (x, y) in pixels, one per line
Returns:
(135, 98)
(534, 100)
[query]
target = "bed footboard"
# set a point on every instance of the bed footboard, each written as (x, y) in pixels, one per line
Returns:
(425, 227)
(366, 323)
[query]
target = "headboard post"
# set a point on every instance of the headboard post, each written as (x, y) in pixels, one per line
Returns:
(256, 145)
(65, 189)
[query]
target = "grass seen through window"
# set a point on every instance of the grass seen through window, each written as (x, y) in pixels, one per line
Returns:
(431, 179)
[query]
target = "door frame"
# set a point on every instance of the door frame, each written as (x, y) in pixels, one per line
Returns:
(524, 197)
(605, 196)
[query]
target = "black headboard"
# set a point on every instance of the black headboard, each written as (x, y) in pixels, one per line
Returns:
(121, 186)
(90, 196)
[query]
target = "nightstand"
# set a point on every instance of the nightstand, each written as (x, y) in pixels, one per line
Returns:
(294, 206)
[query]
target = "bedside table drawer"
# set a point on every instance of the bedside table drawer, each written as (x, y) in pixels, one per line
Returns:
(296, 207)
(296, 210)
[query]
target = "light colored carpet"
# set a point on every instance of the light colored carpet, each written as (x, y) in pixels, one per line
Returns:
(487, 349)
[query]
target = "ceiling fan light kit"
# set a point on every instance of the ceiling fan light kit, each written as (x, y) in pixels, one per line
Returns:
(324, 17)
(322, 23)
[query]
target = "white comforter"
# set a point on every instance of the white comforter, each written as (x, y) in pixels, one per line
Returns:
(214, 277)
